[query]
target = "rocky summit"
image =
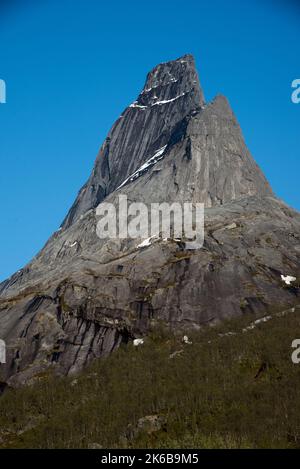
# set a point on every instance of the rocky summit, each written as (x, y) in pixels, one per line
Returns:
(82, 296)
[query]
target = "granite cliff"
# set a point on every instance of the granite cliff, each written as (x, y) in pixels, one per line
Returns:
(81, 297)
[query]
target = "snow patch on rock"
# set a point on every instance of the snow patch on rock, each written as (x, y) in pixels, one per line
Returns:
(186, 340)
(147, 242)
(138, 342)
(288, 279)
(255, 323)
(151, 162)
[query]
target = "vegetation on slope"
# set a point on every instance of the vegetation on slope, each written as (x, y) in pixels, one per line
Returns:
(221, 391)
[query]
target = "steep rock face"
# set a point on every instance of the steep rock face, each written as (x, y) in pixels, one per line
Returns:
(80, 297)
(170, 93)
(205, 160)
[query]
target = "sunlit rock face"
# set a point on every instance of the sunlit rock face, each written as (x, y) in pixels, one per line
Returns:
(81, 296)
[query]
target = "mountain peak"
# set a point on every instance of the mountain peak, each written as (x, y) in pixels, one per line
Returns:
(172, 91)
(82, 296)
(172, 80)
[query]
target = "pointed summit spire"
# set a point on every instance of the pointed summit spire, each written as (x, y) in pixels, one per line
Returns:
(82, 296)
(171, 92)
(172, 80)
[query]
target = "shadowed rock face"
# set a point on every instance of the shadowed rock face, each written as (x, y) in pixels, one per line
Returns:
(170, 93)
(80, 297)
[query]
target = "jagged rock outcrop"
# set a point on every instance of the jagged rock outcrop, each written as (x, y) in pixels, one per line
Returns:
(81, 296)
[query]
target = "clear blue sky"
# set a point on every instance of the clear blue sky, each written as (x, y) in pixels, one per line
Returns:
(71, 67)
